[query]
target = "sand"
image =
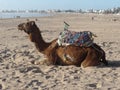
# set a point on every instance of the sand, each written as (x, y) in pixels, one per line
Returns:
(17, 52)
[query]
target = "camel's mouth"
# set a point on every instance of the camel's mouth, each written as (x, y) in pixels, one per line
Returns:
(21, 26)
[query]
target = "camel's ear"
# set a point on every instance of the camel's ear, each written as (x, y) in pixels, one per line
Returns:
(33, 23)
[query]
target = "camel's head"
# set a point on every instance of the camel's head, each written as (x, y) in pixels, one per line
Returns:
(30, 28)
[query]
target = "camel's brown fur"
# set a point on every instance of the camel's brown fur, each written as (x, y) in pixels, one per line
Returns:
(63, 55)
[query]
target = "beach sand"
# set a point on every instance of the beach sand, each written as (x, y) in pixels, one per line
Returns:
(17, 53)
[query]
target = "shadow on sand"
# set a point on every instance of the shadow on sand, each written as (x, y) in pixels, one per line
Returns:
(113, 64)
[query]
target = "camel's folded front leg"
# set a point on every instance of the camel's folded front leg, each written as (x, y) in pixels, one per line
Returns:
(42, 62)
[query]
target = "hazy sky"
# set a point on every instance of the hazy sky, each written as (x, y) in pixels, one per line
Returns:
(58, 4)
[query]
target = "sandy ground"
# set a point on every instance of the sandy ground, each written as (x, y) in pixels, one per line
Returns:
(17, 52)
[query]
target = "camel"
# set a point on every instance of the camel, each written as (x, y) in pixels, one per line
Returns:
(63, 55)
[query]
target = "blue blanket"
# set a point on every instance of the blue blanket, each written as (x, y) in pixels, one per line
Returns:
(83, 39)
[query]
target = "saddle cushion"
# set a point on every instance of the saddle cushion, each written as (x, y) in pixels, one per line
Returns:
(67, 37)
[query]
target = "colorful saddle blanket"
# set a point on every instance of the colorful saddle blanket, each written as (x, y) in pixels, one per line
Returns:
(83, 39)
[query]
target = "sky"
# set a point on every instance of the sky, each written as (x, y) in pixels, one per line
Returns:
(57, 4)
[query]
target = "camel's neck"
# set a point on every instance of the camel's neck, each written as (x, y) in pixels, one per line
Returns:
(40, 44)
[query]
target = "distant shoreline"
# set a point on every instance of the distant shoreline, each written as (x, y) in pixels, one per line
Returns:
(23, 15)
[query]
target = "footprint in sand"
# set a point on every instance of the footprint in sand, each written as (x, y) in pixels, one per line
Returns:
(33, 69)
(33, 83)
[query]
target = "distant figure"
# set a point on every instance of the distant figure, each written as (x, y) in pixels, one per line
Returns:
(17, 16)
(92, 18)
(114, 19)
(28, 20)
(36, 19)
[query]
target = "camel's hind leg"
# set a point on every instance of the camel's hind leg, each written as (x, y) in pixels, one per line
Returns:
(91, 59)
(101, 53)
(103, 58)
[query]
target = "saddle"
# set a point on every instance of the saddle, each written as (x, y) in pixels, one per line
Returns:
(83, 39)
